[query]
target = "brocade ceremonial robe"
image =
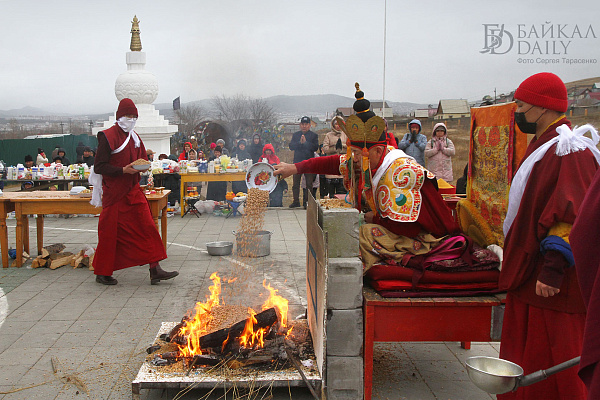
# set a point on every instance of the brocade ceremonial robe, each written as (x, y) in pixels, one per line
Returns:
(405, 199)
(127, 235)
(539, 332)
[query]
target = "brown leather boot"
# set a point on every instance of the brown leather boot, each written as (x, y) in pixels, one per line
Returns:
(157, 274)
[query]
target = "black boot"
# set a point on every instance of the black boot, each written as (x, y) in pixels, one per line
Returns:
(157, 274)
(106, 279)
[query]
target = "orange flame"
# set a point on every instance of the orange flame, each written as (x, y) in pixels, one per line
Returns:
(280, 304)
(197, 326)
(289, 333)
(249, 337)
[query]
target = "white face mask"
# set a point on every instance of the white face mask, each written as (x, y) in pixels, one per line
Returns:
(126, 124)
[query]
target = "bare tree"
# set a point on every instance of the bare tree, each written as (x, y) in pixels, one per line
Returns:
(261, 111)
(190, 117)
(232, 109)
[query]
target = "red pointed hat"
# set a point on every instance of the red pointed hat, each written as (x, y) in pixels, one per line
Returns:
(126, 107)
(544, 90)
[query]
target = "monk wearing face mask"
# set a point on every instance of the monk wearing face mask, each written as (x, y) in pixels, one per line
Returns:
(127, 235)
(545, 313)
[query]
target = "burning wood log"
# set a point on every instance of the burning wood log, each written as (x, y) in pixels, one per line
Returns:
(264, 319)
(174, 334)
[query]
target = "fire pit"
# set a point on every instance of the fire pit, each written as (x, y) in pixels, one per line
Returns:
(227, 346)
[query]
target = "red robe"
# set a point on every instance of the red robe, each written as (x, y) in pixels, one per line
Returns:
(127, 235)
(584, 239)
(539, 332)
(435, 217)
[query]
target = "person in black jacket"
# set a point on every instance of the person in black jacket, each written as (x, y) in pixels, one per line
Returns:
(79, 151)
(304, 143)
(256, 148)
(242, 154)
(87, 158)
(461, 183)
(62, 154)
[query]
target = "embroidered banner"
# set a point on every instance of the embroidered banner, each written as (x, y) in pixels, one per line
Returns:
(494, 154)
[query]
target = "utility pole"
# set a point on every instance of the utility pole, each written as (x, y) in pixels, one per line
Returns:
(494, 95)
(384, 48)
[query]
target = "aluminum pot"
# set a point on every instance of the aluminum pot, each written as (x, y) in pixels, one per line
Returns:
(219, 248)
(253, 244)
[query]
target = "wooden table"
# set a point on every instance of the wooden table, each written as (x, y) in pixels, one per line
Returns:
(453, 319)
(41, 203)
(206, 177)
(5, 207)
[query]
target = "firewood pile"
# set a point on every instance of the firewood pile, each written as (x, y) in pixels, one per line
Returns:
(53, 257)
(225, 346)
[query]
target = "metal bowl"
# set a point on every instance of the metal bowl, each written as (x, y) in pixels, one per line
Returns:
(219, 248)
(493, 375)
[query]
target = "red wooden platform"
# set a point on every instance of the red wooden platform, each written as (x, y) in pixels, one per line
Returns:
(453, 319)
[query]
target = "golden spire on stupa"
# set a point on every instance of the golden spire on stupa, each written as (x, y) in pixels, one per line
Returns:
(136, 42)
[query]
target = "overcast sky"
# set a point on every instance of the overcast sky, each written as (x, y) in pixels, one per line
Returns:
(65, 56)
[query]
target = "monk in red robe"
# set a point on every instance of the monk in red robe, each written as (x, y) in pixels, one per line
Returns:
(127, 235)
(545, 314)
(584, 239)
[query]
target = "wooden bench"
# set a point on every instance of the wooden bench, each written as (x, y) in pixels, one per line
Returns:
(449, 319)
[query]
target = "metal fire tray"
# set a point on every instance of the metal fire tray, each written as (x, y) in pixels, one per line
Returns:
(150, 377)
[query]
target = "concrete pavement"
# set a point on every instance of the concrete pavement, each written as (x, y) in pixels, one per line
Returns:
(99, 333)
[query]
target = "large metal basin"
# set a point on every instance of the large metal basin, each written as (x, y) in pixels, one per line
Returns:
(219, 248)
(493, 375)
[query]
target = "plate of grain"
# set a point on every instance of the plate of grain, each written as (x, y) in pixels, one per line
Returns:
(141, 165)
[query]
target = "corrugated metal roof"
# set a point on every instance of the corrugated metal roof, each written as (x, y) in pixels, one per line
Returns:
(53, 135)
(422, 113)
(454, 106)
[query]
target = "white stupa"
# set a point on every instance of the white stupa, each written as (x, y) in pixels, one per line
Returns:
(141, 86)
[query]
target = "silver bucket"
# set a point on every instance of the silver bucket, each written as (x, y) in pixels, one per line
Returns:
(253, 244)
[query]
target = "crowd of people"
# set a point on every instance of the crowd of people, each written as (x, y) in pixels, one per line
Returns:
(549, 269)
(84, 155)
(435, 153)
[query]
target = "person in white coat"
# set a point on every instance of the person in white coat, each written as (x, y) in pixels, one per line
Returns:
(439, 152)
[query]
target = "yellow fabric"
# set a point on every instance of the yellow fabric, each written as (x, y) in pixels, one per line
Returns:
(442, 184)
(562, 230)
(474, 225)
(377, 243)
